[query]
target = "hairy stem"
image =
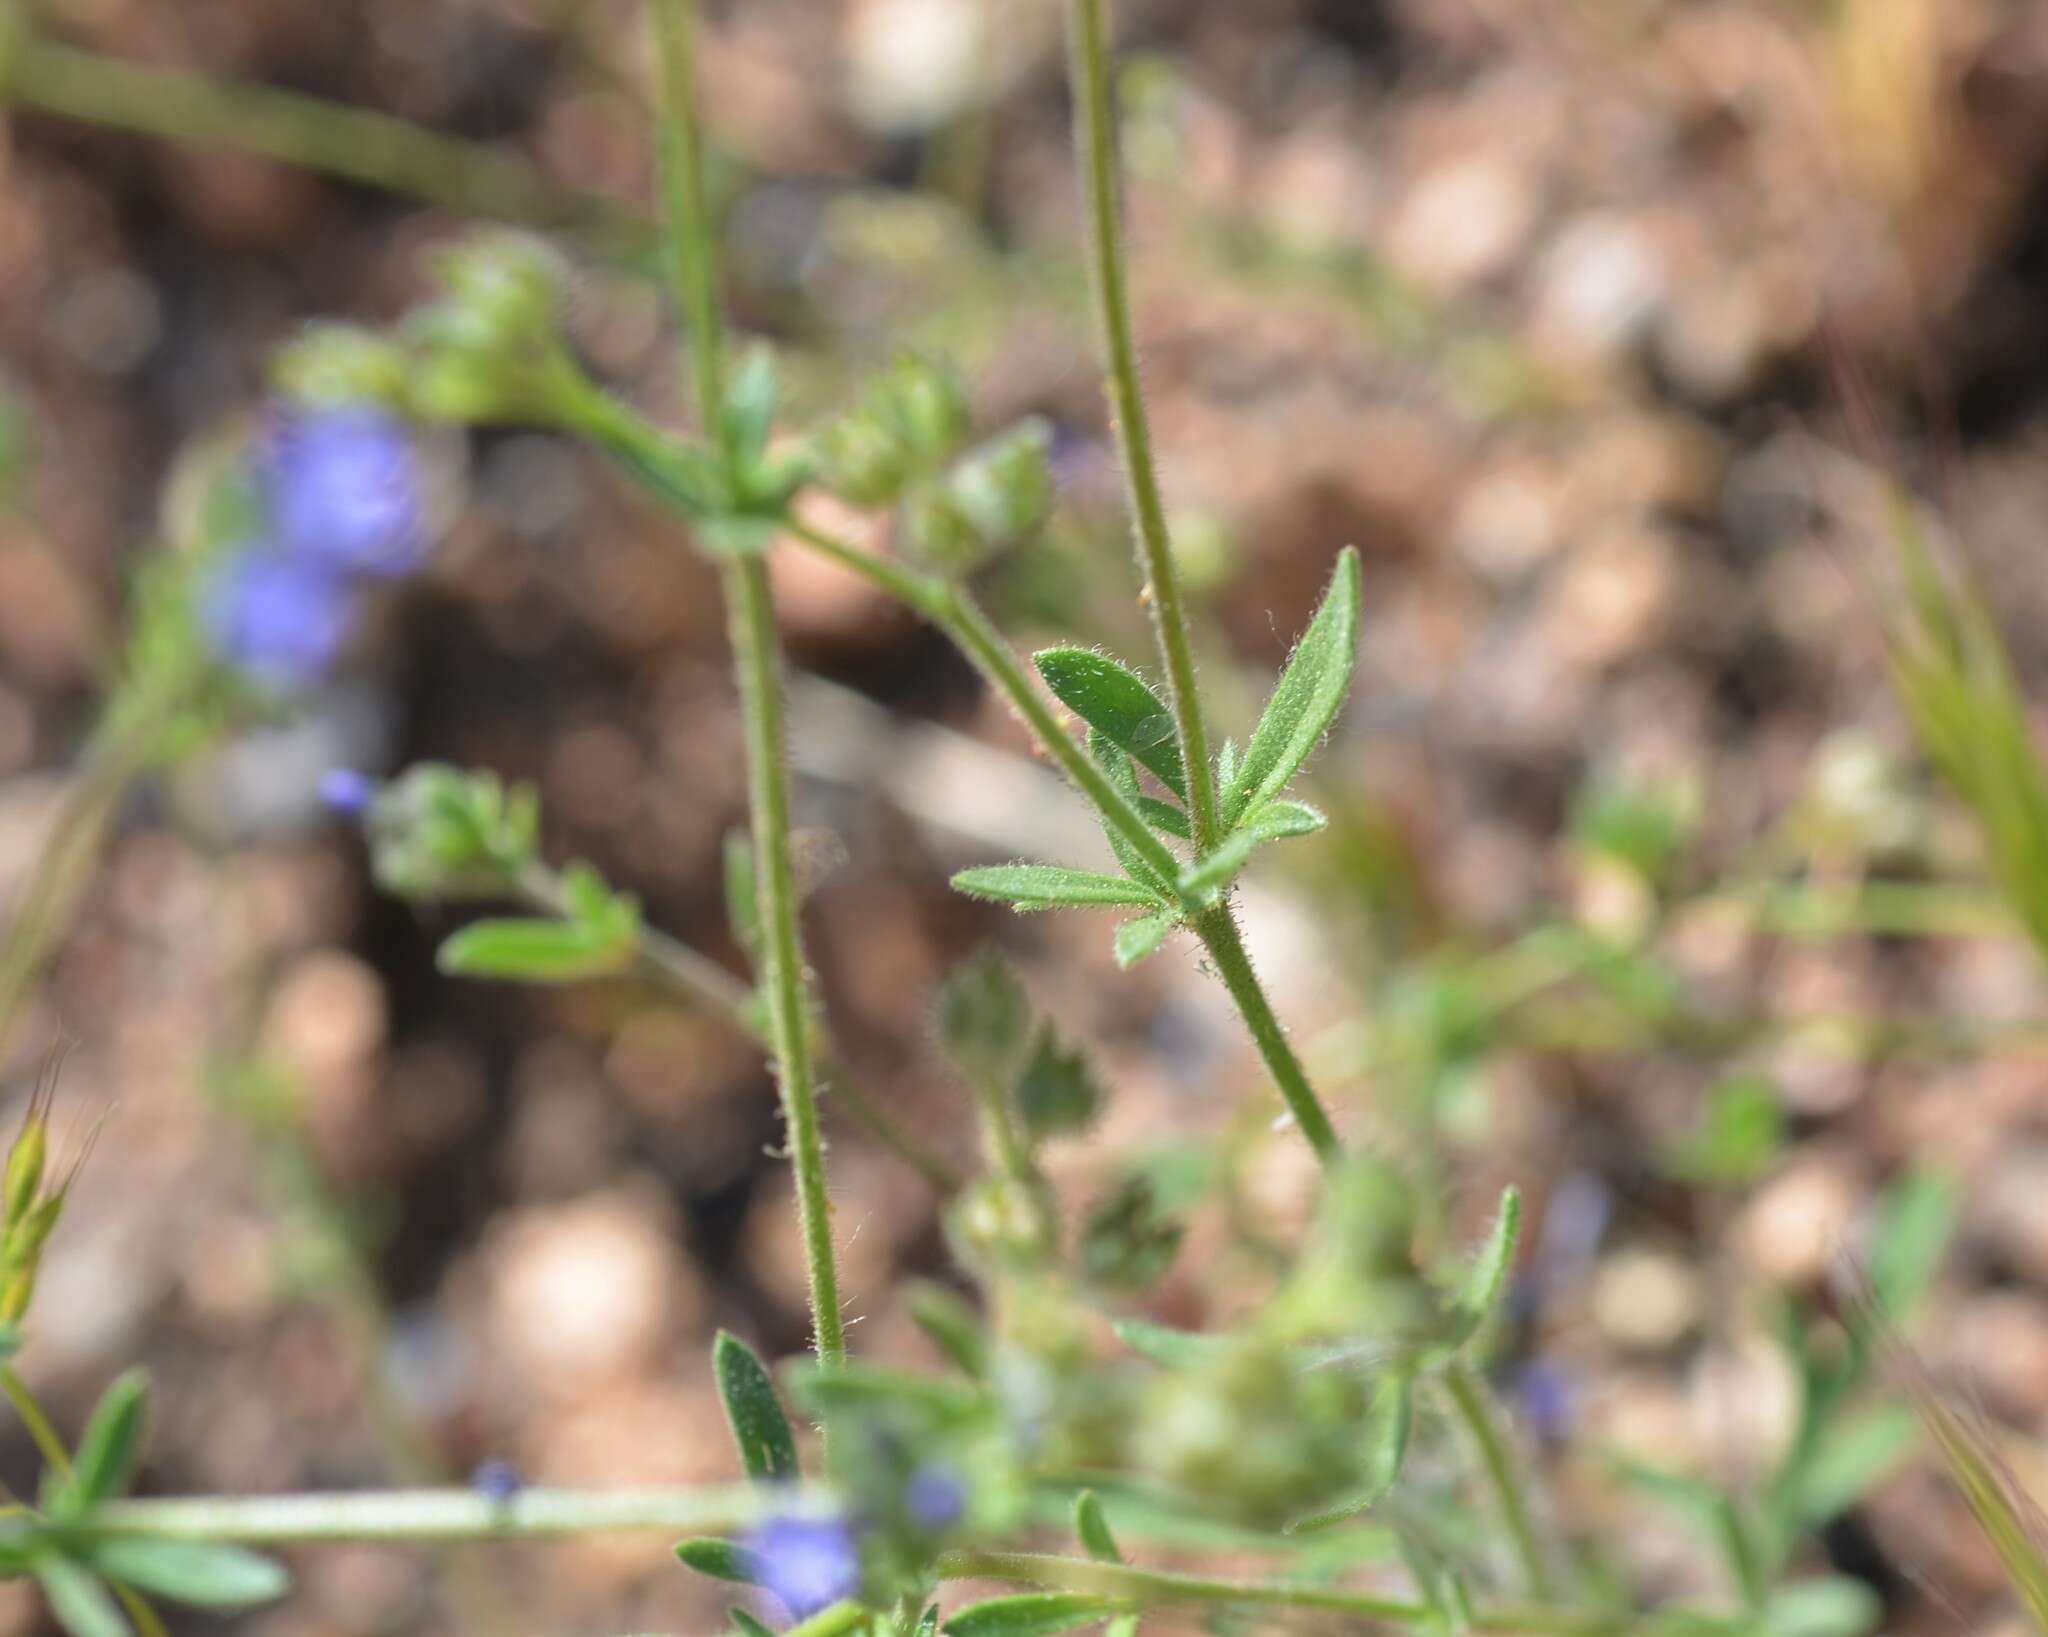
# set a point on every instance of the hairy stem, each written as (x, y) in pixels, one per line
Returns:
(355, 144)
(1096, 145)
(1218, 930)
(750, 615)
(1475, 1408)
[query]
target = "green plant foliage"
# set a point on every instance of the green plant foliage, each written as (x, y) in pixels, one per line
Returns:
(112, 1443)
(1048, 886)
(767, 1445)
(1118, 704)
(1030, 1614)
(204, 1574)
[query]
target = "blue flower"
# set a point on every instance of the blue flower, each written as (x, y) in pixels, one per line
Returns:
(499, 1480)
(808, 1563)
(344, 491)
(277, 617)
(348, 793)
(936, 1496)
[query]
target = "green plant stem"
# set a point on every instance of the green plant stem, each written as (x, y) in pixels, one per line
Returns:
(429, 1515)
(1095, 142)
(357, 144)
(1218, 930)
(1474, 1407)
(750, 616)
(751, 611)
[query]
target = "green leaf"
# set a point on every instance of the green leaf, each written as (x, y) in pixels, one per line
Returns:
(113, 1438)
(1226, 764)
(1129, 1239)
(767, 1446)
(748, 1626)
(205, 1574)
(742, 901)
(984, 1016)
(1206, 877)
(950, 1324)
(1048, 886)
(1388, 1421)
(1058, 1093)
(1834, 1607)
(1092, 1525)
(1118, 704)
(1123, 773)
(79, 1600)
(721, 1560)
(748, 413)
(928, 1622)
(1850, 1457)
(1913, 1233)
(1162, 1344)
(1484, 1281)
(1306, 699)
(1164, 816)
(520, 950)
(1030, 1614)
(1135, 940)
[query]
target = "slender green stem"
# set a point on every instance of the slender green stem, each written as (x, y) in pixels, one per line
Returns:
(48, 1441)
(425, 1515)
(691, 240)
(1217, 928)
(1154, 1588)
(751, 610)
(356, 144)
(1096, 143)
(1475, 1409)
(750, 615)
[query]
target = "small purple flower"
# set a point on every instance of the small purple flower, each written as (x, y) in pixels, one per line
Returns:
(808, 1563)
(347, 792)
(499, 1480)
(936, 1496)
(344, 491)
(278, 618)
(1548, 1396)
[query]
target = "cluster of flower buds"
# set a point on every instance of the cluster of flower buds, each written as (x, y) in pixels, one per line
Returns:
(906, 445)
(32, 1202)
(337, 502)
(438, 833)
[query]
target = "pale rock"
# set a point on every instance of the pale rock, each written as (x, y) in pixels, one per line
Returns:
(1645, 1300)
(1793, 1228)
(912, 65)
(1599, 285)
(1999, 1342)
(1464, 221)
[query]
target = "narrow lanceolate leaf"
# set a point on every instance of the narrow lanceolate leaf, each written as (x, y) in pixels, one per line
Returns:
(1092, 1525)
(767, 1446)
(1123, 773)
(721, 1560)
(1030, 1614)
(1162, 1344)
(202, 1573)
(1118, 704)
(1488, 1276)
(1137, 939)
(533, 951)
(1388, 1422)
(1275, 821)
(1165, 817)
(79, 1599)
(113, 1440)
(1305, 701)
(1048, 886)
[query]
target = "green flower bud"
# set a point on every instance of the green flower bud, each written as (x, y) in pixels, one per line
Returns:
(861, 459)
(492, 349)
(1004, 489)
(1005, 1222)
(928, 401)
(342, 364)
(939, 534)
(438, 833)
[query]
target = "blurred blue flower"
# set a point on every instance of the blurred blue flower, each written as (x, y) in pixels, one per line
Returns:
(936, 1496)
(808, 1563)
(347, 792)
(344, 490)
(279, 618)
(1548, 1398)
(500, 1480)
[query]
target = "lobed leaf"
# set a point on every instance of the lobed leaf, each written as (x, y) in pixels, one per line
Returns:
(1118, 704)
(1049, 886)
(1306, 699)
(759, 1427)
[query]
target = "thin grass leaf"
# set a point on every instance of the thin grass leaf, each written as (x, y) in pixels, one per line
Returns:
(1306, 699)
(1049, 886)
(1120, 705)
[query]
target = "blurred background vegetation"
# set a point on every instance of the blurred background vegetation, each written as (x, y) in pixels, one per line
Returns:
(1604, 330)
